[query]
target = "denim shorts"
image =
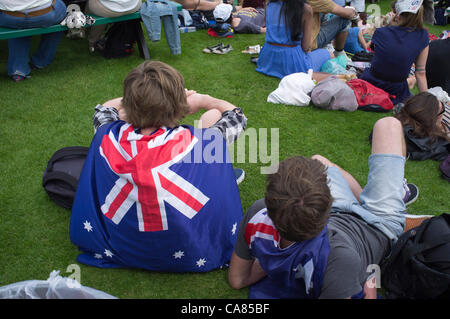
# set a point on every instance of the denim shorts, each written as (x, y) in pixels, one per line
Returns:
(330, 29)
(381, 201)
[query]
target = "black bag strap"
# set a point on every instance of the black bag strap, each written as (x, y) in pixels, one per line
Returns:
(50, 176)
(67, 151)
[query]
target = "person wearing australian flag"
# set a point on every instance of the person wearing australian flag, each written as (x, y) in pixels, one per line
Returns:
(316, 232)
(154, 194)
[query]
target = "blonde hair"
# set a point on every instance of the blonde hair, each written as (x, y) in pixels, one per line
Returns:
(412, 21)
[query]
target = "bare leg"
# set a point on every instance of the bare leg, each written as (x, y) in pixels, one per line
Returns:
(352, 182)
(340, 41)
(320, 76)
(388, 137)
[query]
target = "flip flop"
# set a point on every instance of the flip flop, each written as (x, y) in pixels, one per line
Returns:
(253, 49)
(211, 49)
(223, 50)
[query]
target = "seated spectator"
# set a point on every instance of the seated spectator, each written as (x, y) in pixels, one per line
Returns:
(249, 20)
(438, 66)
(325, 30)
(355, 41)
(316, 231)
(287, 47)
(396, 48)
(24, 14)
(250, 4)
(108, 9)
(427, 135)
(154, 194)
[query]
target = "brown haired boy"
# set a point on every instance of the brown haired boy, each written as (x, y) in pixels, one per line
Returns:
(144, 198)
(316, 232)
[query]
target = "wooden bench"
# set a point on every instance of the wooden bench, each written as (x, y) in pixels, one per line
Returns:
(6, 33)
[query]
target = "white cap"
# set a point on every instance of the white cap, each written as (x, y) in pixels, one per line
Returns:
(408, 6)
(222, 12)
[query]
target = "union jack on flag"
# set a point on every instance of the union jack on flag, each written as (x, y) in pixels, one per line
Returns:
(141, 204)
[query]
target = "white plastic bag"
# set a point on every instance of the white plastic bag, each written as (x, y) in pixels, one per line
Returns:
(294, 89)
(55, 287)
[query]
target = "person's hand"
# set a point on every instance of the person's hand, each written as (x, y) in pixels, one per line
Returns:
(190, 92)
(370, 289)
(354, 15)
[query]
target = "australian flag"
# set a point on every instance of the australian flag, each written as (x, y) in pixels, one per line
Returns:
(164, 202)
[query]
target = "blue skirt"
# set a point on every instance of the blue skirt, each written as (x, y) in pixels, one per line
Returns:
(279, 61)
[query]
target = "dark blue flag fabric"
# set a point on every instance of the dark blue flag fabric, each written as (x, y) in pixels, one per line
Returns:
(165, 202)
(294, 272)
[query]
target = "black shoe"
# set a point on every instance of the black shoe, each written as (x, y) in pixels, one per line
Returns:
(240, 174)
(412, 193)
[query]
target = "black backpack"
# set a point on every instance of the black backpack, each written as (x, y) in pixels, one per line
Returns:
(418, 266)
(445, 168)
(119, 40)
(363, 56)
(62, 173)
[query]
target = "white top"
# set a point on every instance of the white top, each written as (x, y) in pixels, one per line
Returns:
(24, 5)
(119, 5)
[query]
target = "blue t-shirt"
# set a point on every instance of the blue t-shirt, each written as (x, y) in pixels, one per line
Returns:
(395, 50)
(352, 44)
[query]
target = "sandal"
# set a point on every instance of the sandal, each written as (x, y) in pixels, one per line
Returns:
(223, 50)
(211, 49)
(253, 49)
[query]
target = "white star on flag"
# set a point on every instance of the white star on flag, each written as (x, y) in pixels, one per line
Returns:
(178, 254)
(98, 256)
(87, 226)
(108, 253)
(233, 230)
(201, 262)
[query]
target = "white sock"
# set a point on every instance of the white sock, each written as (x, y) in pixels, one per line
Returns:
(338, 53)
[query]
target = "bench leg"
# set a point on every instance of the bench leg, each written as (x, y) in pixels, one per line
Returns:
(142, 45)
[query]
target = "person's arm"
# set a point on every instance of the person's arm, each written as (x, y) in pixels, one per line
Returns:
(204, 5)
(117, 104)
(362, 41)
(220, 115)
(244, 272)
(370, 288)
(420, 73)
(307, 27)
(108, 112)
(347, 13)
(199, 102)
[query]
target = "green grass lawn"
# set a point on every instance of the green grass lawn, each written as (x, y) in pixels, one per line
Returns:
(53, 109)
